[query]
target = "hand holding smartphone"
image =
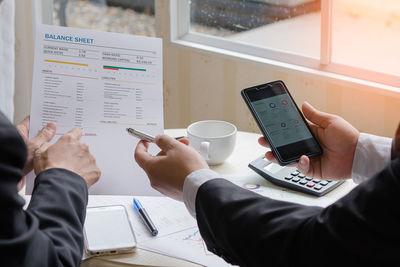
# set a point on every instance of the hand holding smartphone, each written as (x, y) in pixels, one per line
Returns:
(281, 122)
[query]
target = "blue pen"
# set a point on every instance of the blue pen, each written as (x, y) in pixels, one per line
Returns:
(145, 217)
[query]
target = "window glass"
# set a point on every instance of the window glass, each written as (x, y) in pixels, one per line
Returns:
(366, 34)
(123, 16)
(292, 26)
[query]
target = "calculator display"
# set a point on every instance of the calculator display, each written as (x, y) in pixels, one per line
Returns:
(273, 168)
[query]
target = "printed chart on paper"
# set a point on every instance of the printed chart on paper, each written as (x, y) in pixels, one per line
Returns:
(103, 83)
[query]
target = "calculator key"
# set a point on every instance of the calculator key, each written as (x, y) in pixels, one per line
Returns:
(295, 173)
(316, 181)
(310, 184)
(295, 179)
(329, 181)
(308, 178)
(289, 177)
(323, 183)
(317, 187)
(301, 175)
(304, 181)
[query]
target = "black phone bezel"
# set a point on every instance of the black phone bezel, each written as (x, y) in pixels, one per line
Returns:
(274, 150)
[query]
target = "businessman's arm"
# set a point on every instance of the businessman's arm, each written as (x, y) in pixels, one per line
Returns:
(250, 230)
(57, 210)
(373, 153)
(371, 156)
(49, 233)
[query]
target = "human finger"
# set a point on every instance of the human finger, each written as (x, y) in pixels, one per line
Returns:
(269, 156)
(165, 142)
(45, 135)
(304, 164)
(75, 133)
(23, 128)
(313, 127)
(141, 153)
(42, 148)
(263, 142)
(25, 121)
(315, 116)
(184, 141)
(39, 162)
(161, 153)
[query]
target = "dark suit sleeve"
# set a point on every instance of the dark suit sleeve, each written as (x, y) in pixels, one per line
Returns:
(49, 232)
(251, 230)
(58, 202)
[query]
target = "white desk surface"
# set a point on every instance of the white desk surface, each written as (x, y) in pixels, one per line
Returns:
(246, 150)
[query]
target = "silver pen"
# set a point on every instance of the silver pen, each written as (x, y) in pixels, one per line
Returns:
(140, 135)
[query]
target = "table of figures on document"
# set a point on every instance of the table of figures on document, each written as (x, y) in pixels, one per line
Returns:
(100, 82)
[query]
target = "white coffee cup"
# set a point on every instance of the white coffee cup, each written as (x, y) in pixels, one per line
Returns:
(214, 139)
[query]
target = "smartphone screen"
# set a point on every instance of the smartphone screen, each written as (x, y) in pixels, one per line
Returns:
(281, 122)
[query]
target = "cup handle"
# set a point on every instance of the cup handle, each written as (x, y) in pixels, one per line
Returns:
(204, 148)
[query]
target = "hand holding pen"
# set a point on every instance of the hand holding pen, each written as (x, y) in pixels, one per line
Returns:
(143, 136)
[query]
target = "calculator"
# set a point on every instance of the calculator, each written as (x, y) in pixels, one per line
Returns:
(290, 177)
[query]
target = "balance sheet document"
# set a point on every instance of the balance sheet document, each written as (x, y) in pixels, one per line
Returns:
(102, 83)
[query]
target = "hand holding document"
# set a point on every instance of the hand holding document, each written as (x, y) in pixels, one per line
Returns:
(103, 83)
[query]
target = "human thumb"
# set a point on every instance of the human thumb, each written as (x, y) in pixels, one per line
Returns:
(166, 142)
(44, 135)
(316, 116)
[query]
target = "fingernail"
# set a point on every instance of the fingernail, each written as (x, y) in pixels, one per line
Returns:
(302, 163)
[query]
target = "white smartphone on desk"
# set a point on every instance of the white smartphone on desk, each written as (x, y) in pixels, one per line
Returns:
(107, 230)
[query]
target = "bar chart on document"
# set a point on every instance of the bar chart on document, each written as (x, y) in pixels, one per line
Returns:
(102, 83)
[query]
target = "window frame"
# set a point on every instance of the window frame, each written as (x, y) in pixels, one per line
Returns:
(42, 11)
(181, 35)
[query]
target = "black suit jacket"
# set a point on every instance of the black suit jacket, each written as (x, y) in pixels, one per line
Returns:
(49, 232)
(360, 229)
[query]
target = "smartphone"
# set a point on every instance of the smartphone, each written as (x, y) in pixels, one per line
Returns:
(107, 230)
(281, 122)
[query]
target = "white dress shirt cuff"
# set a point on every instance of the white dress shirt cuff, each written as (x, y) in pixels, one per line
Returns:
(192, 184)
(371, 156)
